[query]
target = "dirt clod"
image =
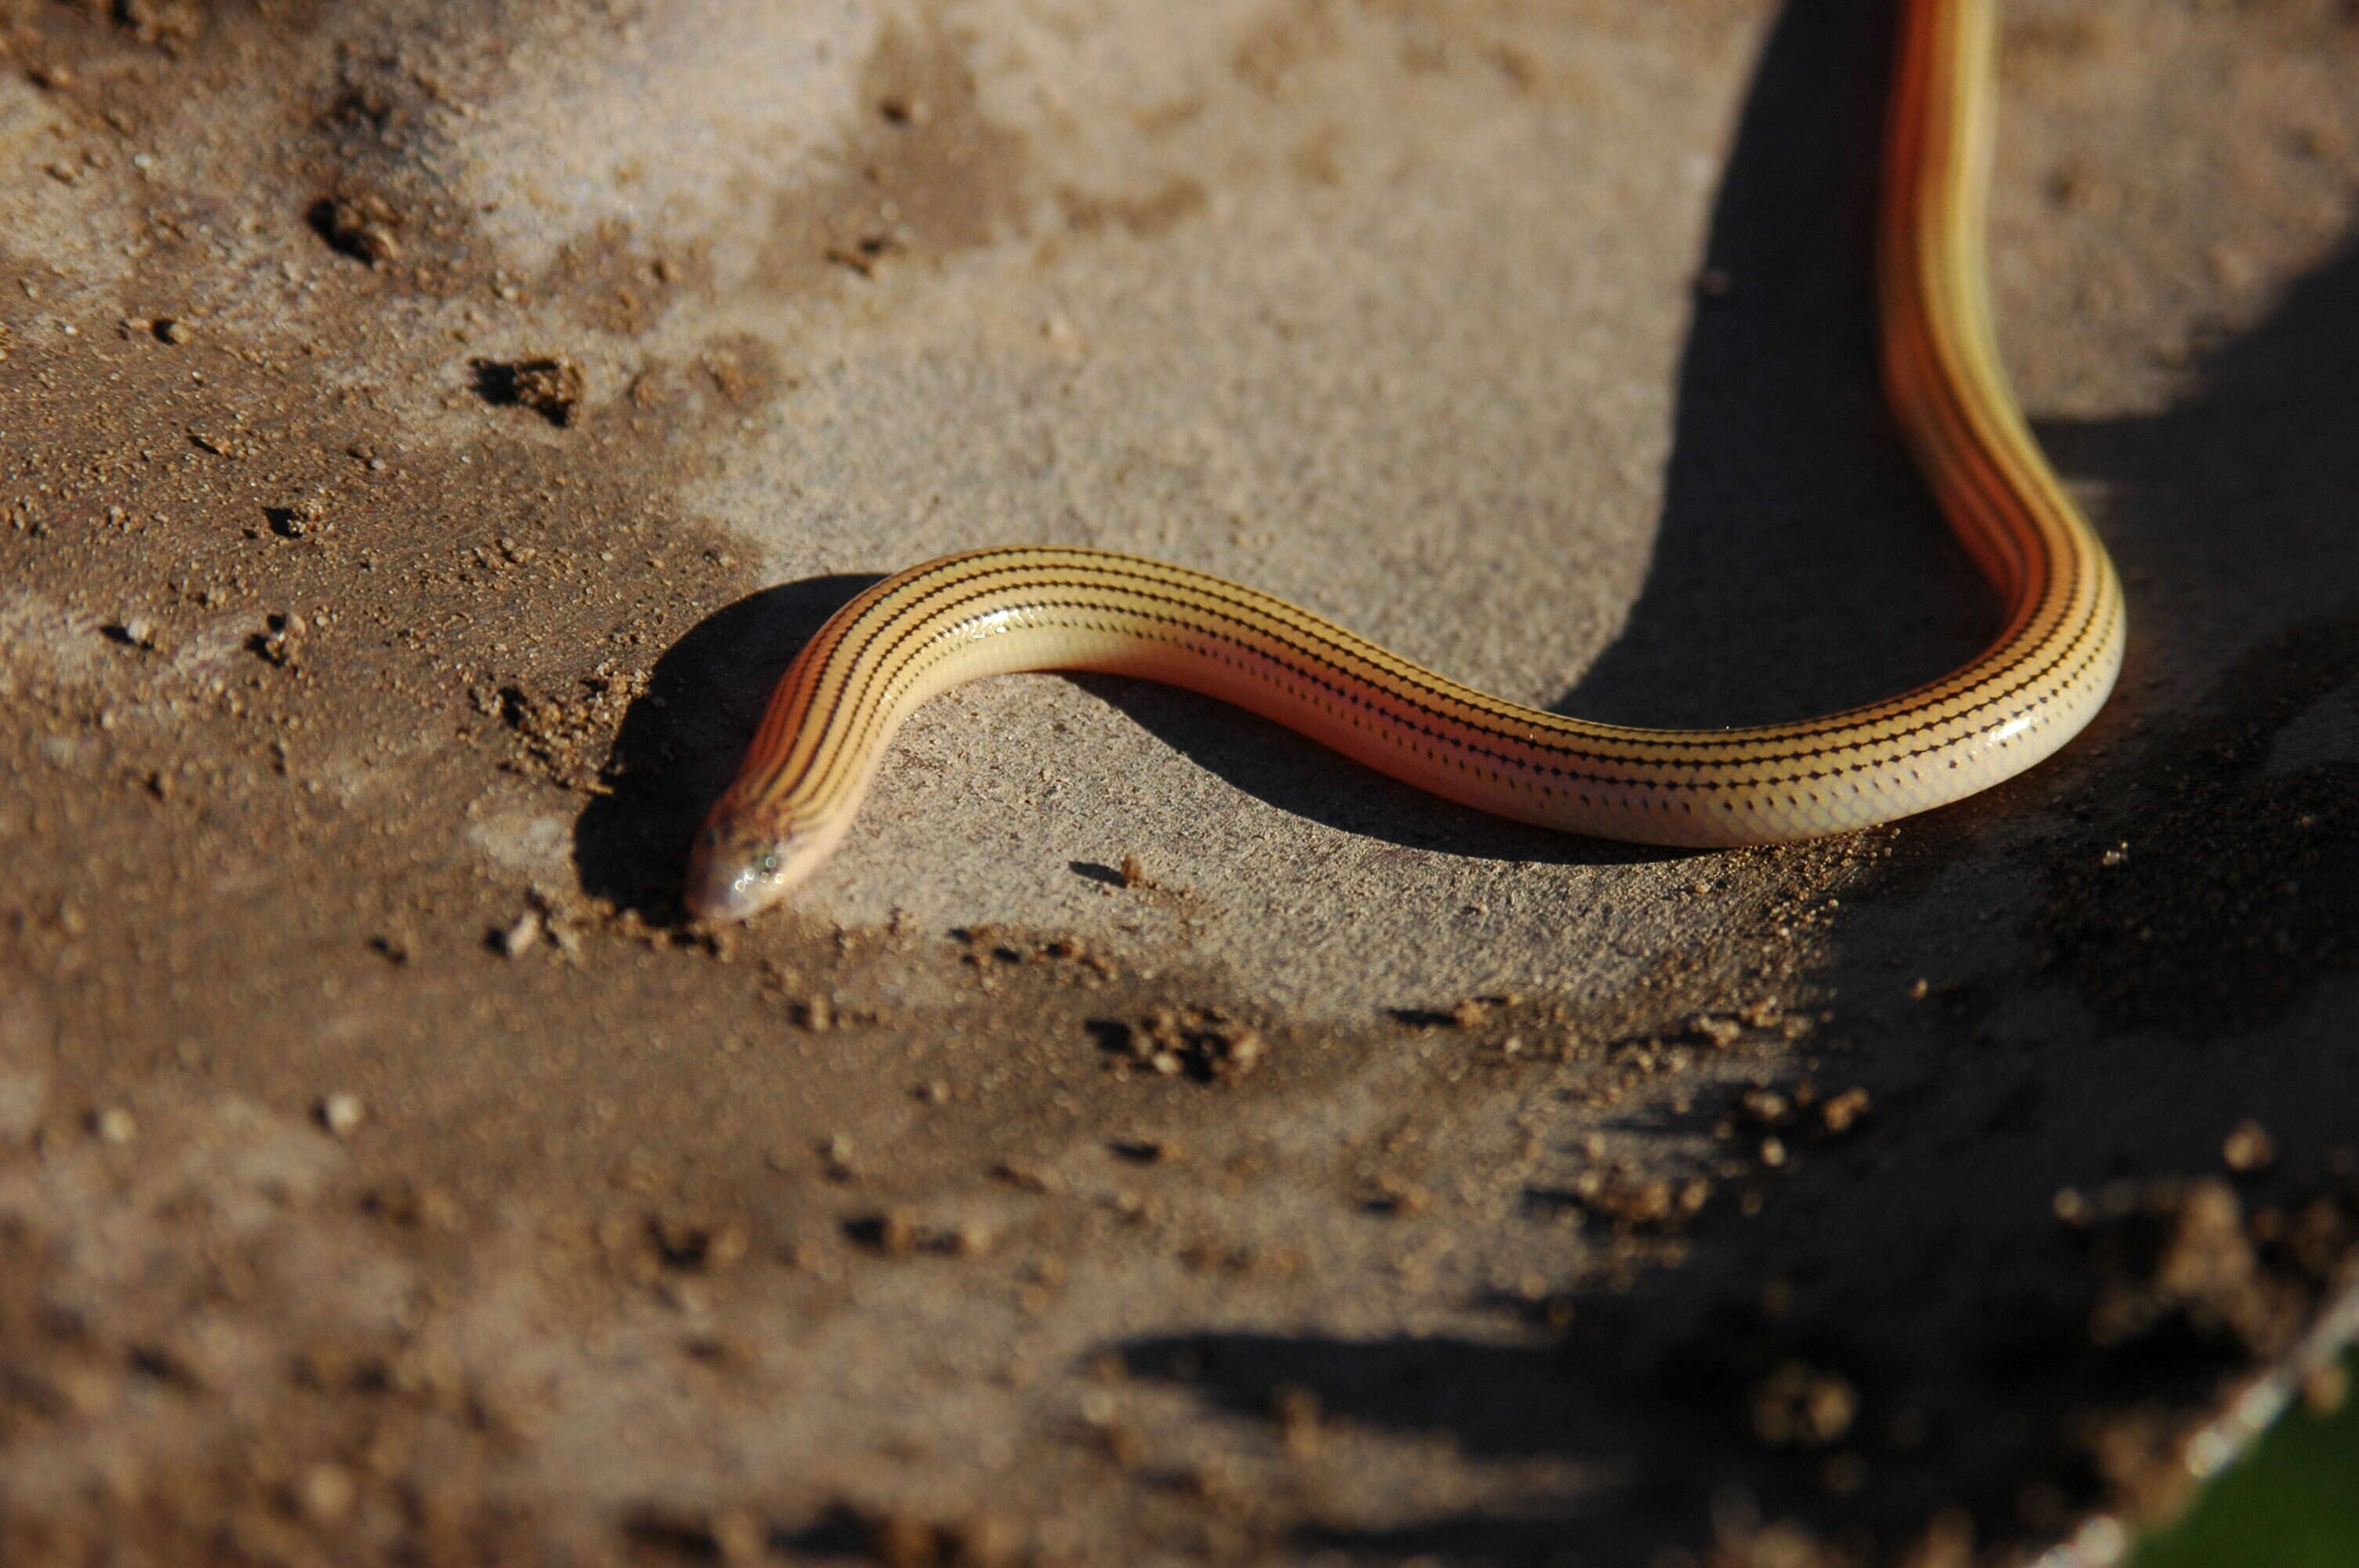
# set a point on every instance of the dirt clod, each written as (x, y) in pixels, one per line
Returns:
(1205, 1044)
(365, 226)
(550, 385)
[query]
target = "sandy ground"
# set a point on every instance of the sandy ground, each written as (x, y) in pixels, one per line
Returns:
(425, 432)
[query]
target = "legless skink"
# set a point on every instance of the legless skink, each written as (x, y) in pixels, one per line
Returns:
(1041, 608)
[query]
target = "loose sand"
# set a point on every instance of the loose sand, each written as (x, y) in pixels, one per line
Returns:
(425, 431)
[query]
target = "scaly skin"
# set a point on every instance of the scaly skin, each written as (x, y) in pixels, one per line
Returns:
(1024, 608)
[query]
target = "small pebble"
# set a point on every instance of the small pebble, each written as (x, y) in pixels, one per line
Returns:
(115, 1125)
(2249, 1147)
(1842, 1113)
(341, 1113)
(1718, 1033)
(518, 939)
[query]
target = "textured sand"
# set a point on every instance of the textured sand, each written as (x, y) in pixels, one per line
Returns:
(423, 433)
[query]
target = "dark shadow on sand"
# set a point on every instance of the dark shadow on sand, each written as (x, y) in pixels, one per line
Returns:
(682, 739)
(2179, 953)
(1920, 1258)
(1800, 565)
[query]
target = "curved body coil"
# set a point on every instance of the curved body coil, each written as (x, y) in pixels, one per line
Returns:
(2045, 674)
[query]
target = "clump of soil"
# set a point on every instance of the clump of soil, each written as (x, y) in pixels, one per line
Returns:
(551, 386)
(365, 226)
(1203, 1043)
